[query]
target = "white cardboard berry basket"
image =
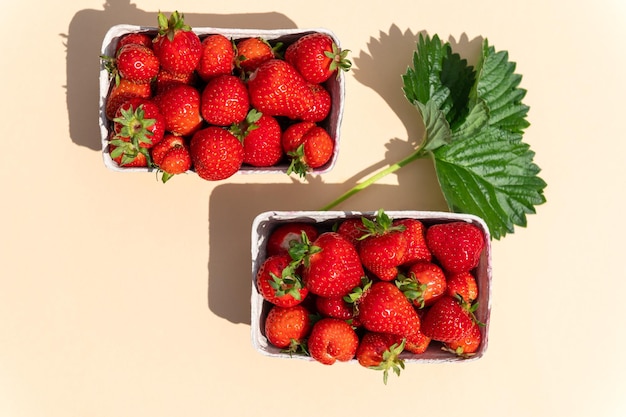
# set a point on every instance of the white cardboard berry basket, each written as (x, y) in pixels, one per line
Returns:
(335, 85)
(265, 222)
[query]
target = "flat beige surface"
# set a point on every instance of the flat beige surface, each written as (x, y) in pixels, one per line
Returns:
(120, 296)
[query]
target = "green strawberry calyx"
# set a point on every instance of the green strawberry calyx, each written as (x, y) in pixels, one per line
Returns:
(339, 59)
(169, 27)
(391, 361)
(380, 225)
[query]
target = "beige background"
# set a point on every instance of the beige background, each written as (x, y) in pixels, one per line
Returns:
(120, 296)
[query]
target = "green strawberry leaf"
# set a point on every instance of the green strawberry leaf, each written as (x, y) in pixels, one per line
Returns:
(486, 169)
(498, 86)
(438, 132)
(491, 177)
(439, 78)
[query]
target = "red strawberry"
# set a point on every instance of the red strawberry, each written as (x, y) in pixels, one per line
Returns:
(176, 45)
(332, 340)
(462, 284)
(277, 89)
(335, 307)
(446, 320)
(138, 38)
(417, 343)
(261, 136)
(380, 351)
(287, 327)
(166, 79)
(456, 245)
(308, 146)
(180, 105)
(415, 233)
(137, 63)
(467, 345)
(317, 57)
(385, 309)
(321, 104)
(382, 249)
(278, 283)
(293, 135)
(282, 238)
(123, 91)
(224, 100)
(331, 265)
(216, 153)
(140, 121)
(217, 57)
(138, 125)
(352, 229)
(424, 284)
(125, 154)
(252, 52)
(171, 155)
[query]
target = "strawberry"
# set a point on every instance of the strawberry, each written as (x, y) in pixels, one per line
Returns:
(180, 105)
(284, 236)
(171, 155)
(216, 153)
(140, 121)
(380, 351)
(415, 233)
(121, 92)
(456, 245)
(417, 343)
(224, 100)
(467, 345)
(252, 52)
(277, 89)
(352, 229)
(217, 57)
(136, 38)
(321, 104)
(382, 249)
(308, 146)
(385, 309)
(137, 63)
(125, 154)
(335, 307)
(424, 284)
(331, 265)
(332, 340)
(447, 320)
(317, 57)
(278, 282)
(288, 327)
(176, 45)
(165, 80)
(261, 136)
(462, 284)
(293, 135)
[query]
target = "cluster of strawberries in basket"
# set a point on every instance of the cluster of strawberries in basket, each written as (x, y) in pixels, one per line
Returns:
(211, 104)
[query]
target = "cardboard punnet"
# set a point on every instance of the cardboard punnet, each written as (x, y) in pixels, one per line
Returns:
(265, 223)
(335, 86)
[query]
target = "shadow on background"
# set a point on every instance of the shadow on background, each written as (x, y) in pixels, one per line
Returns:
(381, 68)
(84, 41)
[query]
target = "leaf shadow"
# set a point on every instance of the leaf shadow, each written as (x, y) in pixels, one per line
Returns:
(380, 67)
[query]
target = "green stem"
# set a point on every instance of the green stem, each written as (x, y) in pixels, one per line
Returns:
(419, 153)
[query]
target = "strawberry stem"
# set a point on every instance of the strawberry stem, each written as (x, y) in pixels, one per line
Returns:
(419, 153)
